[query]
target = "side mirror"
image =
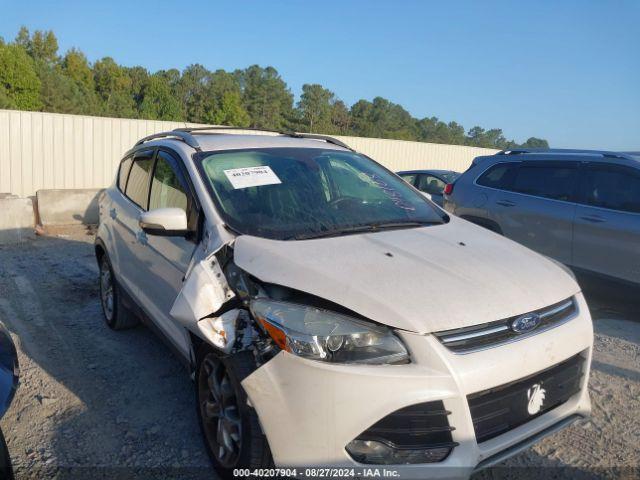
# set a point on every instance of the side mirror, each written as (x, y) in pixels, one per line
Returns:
(167, 222)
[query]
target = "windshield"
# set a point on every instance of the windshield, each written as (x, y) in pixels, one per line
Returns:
(296, 193)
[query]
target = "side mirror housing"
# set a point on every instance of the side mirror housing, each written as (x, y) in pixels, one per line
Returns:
(167, 222)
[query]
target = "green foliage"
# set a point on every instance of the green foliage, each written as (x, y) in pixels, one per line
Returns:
(76, 68)
(436, 131)
(41, 46)
(383, 119)
(19, 83)
(58, 92)
(533, 142)
(157, 101)
(115, 88)
(224, 101)
(266, 97)
(316, 107)
(33, 76)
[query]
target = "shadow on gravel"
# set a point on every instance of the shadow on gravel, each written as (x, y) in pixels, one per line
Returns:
(626, 373)
(607, 299)
(93, 403)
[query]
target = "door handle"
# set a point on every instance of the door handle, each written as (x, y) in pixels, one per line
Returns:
(141, 237)
(593, 218)
(113, 213)
(506, 203)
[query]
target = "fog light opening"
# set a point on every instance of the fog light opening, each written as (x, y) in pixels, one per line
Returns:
(380, 453)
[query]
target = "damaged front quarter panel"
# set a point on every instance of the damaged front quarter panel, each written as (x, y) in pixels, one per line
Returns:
(205, 290)
(213, 303)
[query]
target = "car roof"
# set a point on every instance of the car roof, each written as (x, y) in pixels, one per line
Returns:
(561, 154)
(436, 172)
(209, 141)
(220, 141)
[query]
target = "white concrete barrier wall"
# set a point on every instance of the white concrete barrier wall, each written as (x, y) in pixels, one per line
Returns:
(16, 219)
(75, 206)
(57, 151)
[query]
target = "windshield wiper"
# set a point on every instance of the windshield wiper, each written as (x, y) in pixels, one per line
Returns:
(374, 227)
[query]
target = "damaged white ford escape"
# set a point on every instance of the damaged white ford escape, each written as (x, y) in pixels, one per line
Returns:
(333, 316)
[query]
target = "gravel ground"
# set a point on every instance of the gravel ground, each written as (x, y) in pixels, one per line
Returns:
(94, 403)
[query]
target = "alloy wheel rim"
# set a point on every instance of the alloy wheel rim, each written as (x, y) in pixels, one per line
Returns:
(106, 291)
(220, 412)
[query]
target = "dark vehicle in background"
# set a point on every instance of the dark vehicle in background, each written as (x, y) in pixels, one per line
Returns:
(431, 182)
(8, 385)
(580, 207)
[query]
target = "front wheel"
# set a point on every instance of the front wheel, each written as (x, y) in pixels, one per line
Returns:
(231, 429)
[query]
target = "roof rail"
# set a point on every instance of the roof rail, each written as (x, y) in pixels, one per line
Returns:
(566, 151)
(186, 137)
(204, 129)
(313, 136)
(326, 138)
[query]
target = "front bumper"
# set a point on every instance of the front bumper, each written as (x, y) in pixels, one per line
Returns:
(311, 410)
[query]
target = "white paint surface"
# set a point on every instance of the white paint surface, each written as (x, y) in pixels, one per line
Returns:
(204, 291)
(422, 279)
(310, 410)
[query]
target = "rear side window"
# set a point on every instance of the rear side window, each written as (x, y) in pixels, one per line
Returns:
(430, 185)
(123, 173)
(498, 176)
(555, 182)
(138, 183)
(410, 178)
(612, 187)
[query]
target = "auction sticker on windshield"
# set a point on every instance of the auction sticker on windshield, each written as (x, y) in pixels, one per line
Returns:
(251, 177)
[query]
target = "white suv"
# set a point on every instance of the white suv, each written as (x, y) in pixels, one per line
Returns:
(333, 316)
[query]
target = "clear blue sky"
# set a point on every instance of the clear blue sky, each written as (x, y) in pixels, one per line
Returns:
(565, 71)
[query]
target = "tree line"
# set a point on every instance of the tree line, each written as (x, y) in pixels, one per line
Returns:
(34, 76)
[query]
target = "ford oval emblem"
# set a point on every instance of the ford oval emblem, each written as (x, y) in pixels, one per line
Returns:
(525, 323)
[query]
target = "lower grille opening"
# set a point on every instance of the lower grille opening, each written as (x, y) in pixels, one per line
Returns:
(500, 409)
(416, 434)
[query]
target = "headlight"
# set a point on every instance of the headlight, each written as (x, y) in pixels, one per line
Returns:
(327, 336)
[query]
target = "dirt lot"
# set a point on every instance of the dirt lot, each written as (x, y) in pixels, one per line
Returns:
(94, 403)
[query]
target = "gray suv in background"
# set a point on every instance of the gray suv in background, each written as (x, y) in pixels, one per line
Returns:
(580, 207)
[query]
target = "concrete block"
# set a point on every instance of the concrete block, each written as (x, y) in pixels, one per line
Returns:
(16, 220)
(68, 207)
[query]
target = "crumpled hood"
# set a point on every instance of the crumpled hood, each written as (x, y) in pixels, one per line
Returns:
(421, 279)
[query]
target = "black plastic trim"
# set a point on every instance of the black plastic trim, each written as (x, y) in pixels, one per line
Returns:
(420, 426)
(500, 409)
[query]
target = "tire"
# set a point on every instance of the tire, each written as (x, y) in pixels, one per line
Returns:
(6, 472)
(116, 315)
(241, 427)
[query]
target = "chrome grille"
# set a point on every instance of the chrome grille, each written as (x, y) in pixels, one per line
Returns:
(488, 335)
